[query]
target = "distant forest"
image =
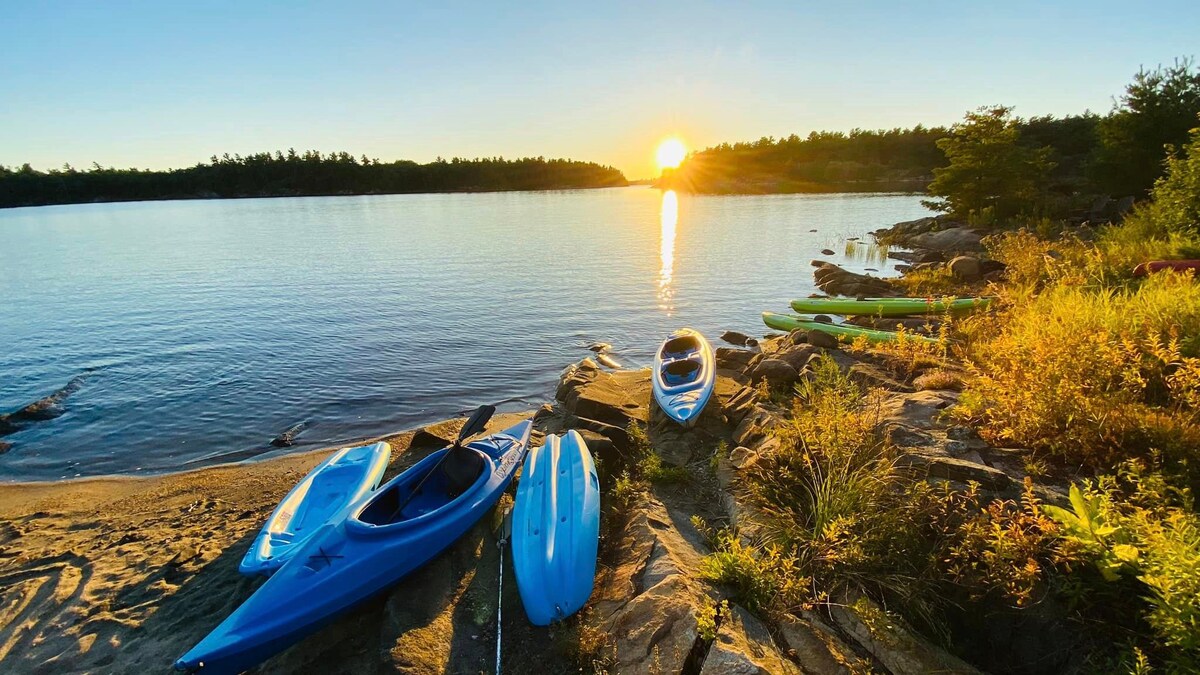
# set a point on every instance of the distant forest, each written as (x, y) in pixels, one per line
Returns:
(864, 160)
(297, 174)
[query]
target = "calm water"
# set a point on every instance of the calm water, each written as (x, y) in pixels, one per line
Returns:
(208, 327)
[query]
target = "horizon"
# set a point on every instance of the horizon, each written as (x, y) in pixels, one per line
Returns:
(168, 87)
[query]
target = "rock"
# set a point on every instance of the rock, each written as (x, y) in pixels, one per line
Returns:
(798, 336)
(736, 405)
(989, 266)
(837, 281)
(647, 603)
(607, 361)
(618, 435)
(1125, 205)
(288, 437)
(797, 356)
(615, 398)
(950, 468)
(42, 409)
(966, 268)
(733, 337)
(887, 639)
(920, 257)
(742, 457)
(437, 435)
(5, 447)
(919, 410)
(817, 647)
(600, 347)
(754, 427)
(601, 447)
(826, 251)
(823, 318)
(953, 239)
(873, 377)
(906, 437)
(774, 371)
(818, 338)
(734, 359)
(743, 646)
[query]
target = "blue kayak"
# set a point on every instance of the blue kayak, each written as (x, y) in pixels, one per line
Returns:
(387, 535)
(324, 495)
(684, 375)
(556, 529)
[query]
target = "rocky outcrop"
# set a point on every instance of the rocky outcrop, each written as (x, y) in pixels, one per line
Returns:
(956, 239)
(835, 280)
(615, 399)
(890, 642)
(743, 646)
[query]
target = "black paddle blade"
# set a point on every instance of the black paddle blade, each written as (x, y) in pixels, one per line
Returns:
(476, 422)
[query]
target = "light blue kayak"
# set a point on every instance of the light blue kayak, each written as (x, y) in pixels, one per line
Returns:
(388, 534)
(684, 375)
(325, 494)
(556, 529)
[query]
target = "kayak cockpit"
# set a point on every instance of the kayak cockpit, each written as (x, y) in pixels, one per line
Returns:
(397, 504)
(681, 363)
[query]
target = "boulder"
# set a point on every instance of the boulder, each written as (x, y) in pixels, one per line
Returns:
(966, 268)
(755, 426)
(600, 347)
(798, 336)
(819, 338)
(734, 359)
(774, 371)
(736, 404)
(826, 251)
(742, 457)
(733, 337)
(953, 239)
(798, 355)
(835, 280)
(743, 646)
(919, 410)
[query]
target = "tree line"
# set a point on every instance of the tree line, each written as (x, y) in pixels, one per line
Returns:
(293, 173)
(1117, 154)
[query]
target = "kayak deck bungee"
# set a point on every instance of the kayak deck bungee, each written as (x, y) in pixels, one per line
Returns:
(325, 494)
(788, 322)
(387, 535)
(556, 529)
(888, 306)
(684, 375)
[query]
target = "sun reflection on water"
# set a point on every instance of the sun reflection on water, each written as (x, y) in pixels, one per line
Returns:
(669, 217)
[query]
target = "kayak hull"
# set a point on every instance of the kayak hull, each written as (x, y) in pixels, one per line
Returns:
(787, 322)
(387, 534)
(325, 494)
(556, 529)
(684, 375)
(888, 306)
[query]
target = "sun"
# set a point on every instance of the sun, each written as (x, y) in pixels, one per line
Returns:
(671, 153)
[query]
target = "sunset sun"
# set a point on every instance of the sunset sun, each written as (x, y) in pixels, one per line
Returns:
(671, 153)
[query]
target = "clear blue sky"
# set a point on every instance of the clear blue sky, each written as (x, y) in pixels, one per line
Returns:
(164, 83)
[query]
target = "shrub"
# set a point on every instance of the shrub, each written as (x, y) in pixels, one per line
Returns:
(1093, 377)
(765, 579)
(929, 282)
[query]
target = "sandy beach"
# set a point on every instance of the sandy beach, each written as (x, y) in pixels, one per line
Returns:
(122, 575)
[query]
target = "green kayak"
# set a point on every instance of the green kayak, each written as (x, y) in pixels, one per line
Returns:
(789, 323)
(888, 306)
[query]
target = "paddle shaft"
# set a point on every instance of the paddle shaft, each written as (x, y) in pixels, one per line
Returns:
(473, 425)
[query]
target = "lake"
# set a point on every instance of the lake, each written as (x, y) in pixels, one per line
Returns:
(206, 328)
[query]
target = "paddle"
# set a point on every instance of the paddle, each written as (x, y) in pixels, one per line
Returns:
(475, 424)
(503, 536)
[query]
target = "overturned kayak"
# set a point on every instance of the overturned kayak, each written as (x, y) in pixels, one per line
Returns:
(1145, 268)
(888, 306)
(556, 529)
(789, 323)
(684, 375)
(324, 495)
(393, 531)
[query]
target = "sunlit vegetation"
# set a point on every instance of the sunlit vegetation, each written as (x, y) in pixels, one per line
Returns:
(294, 174)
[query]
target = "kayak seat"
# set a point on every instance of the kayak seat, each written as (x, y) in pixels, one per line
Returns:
(679, 372)
(461, 468)
(680, 347)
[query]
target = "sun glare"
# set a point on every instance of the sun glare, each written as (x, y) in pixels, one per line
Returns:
(671, 153)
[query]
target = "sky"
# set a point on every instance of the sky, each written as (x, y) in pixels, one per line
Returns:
(168, 84)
